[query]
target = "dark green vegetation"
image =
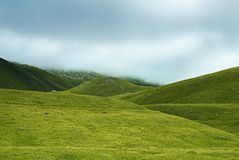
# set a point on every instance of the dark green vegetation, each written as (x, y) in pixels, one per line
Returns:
(222, 116)
(63, 126)
(24, 77)
(107, 87)
(220, 87)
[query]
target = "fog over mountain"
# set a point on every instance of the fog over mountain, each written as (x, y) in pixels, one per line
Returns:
(160, 41)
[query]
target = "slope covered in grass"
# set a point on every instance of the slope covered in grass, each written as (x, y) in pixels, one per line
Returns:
(220, 87)
(221, 116)
(63, 126)
(107, 86)
(24, 77)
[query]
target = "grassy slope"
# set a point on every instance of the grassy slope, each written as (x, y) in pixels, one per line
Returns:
(220, 87)
(106, 87)
(63, 126)
(16, 76)
(221, 116)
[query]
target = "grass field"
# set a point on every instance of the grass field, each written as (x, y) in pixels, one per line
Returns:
(78, 153)
(35, 125)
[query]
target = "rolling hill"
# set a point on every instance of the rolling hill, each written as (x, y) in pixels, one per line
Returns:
(107, 86)
(221, 116)
(37, 125)
(220, 87)
(91, 121)
(24, 77)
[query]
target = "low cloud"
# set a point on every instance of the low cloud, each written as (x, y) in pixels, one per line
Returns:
(160, 41)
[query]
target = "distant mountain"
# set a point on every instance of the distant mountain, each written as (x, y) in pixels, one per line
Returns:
(75, 75)
(82, 76)
(107, 86)
(25, 77)
(220, 87)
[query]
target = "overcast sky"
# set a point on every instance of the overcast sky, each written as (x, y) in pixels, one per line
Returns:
(159, 40)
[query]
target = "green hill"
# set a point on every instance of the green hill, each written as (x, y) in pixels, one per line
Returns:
(107, 86)
(24, 77)
(35, 125)
(222, 116)
(220, 87)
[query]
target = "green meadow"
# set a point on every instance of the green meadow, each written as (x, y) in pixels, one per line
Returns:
(36, 125)
(112, 118)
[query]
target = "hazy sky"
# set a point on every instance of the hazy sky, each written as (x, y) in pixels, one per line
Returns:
(158, 40)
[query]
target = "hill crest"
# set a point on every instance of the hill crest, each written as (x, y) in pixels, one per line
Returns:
(107, 86)
(219, 87)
